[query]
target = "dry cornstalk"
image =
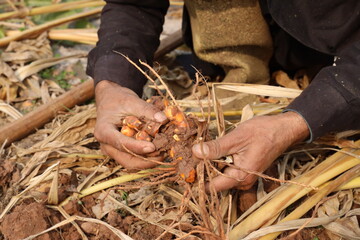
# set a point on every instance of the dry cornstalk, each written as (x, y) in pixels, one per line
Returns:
(35, 31)
(10, 110)
(41, 64)
(289, 193)
(111, 183)
(354, 183)
(51, 9)
(86, 36)
(314, 199)
(263, 90)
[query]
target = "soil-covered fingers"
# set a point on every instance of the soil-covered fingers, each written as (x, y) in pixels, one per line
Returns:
(216, 149)
(107, 133)
(145, 109)
(231, 178)
(132, 105)
(128, 160)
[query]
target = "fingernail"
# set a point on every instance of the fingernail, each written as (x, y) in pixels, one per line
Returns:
(148, 149)
(160, 117)
(201, 150)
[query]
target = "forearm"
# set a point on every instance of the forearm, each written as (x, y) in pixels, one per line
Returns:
(131, 28)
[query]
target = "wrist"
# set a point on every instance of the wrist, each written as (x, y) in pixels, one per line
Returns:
(106, 87)
(103, 84)
(296, 125)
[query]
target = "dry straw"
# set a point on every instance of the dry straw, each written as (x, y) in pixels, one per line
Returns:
(86, 36)
(287, 194)
(21, 13)
(37, 30)
(9, 110)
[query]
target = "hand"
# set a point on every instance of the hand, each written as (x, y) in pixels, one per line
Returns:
(112, 103)
(254, 145)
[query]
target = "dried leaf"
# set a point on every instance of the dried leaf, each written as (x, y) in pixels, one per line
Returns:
(247, 113)
(219, 114)
(45, 96)
(283, 80)
(346, 227)
(136, 214)
(260, 192)
(295, 224)
(302, 78)
(334, 140)
(33, 90)
(53, 196)
(11, 111)
(41, 64)
(105, 205)
(7, 71)
(28, 50)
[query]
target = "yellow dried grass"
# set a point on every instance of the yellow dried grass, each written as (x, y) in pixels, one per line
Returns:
(288, 194)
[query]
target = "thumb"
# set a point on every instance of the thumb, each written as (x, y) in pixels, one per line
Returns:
(160, 117)
(210, 150)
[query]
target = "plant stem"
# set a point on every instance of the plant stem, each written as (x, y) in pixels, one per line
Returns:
(288, 194)
(51, 9)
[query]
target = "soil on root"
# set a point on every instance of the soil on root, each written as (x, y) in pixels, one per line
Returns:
(173, 139)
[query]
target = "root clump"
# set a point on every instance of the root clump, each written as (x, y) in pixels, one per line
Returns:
(172, 138)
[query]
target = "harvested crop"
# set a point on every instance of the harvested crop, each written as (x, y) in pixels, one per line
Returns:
(173, 139)
(128, 131)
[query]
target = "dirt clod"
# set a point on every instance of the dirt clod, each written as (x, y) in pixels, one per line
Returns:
(26, 220)
(98, 231)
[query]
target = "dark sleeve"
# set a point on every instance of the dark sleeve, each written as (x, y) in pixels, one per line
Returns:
(332, 100)
(132, 28)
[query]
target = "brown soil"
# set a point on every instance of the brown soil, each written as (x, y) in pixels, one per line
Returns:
(31, 218)
(313, 233)
(28, 219)
(149, 231)
(98, 232)
(9, 173)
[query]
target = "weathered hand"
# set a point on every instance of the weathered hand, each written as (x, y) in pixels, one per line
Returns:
(113, 102)
(254, 145)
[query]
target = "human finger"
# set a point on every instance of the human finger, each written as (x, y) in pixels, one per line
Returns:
(218, 148)
(108, 134)
(139, 107)
(128, 160)
(231, 178)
